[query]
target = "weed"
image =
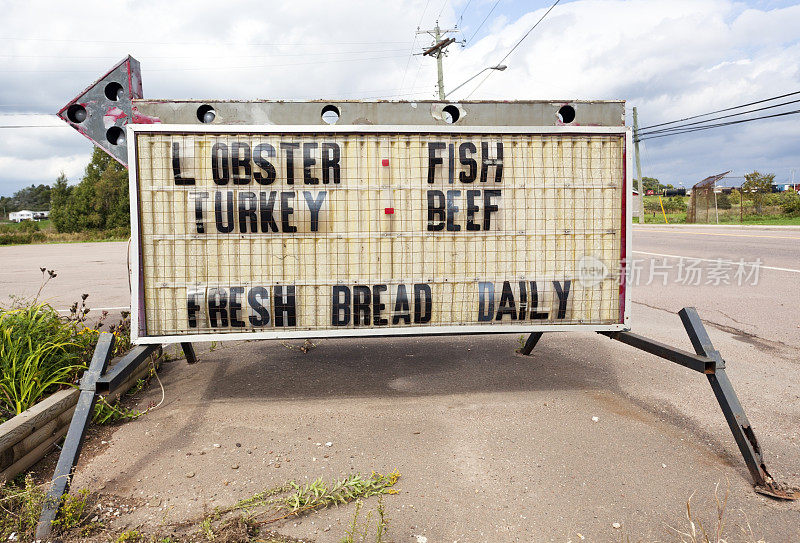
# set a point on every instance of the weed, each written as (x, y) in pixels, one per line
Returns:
(106, 412)
(73, 510)
(21, 505)
(130, 536)
(696, 532)
(359, 533)
(383, 522)
(352, 531)
(304, 348)
(206, 527)
(292, 499)
(318, 495)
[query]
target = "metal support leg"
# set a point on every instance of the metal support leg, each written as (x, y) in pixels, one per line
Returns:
(188, 351)
(709, 362)
(734, 412)
(126, 367)
(74, 440)
(533, 339)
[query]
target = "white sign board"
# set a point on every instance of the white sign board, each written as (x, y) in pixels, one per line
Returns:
(245, 232)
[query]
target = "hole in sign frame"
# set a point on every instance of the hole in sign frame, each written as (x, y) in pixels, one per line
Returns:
(566, 114)
(114, 91)
(450, 114)
(206, 114)
(330, 114)
(76, 113)
(115, 135)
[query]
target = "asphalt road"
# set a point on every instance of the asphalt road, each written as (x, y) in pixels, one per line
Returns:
(492, 446)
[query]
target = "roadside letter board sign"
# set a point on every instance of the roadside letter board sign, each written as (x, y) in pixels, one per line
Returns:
(245, 232)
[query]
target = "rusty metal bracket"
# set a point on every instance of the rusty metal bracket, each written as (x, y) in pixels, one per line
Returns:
(710, 362)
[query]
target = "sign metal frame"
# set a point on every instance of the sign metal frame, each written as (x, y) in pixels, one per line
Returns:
(137, 290)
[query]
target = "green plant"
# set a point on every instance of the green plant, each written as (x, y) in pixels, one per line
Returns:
(759, 186)
(791, 205)
(357, 533)
(130, 536)
(73, 510)
(724, 201)
(21, 504)
(38, 354)
(106, 412)
(318, 495)
(19, 508)
(28, 227)
(41, 351)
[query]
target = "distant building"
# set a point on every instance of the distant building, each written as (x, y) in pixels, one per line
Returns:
(26, 215)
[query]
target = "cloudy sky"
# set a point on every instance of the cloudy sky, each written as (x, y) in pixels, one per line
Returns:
(671, 59)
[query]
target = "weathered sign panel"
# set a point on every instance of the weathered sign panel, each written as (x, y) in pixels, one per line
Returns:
(310, 231)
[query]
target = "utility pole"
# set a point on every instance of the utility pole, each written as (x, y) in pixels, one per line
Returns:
(438, 50)
(640, 201)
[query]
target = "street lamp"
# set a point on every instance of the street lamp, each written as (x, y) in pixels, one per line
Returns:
(499, 68)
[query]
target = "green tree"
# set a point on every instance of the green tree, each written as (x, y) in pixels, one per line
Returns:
(98, 202)
(651, 183)
(59, 197)
(758, 185)
(723, 201)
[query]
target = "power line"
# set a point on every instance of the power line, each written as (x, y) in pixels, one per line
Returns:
(484, 20)
(707, 127)
(34, 126)
(721, 110)
(546, 13)
(263, 44)
(414, 44)
(20, 114)
(444, 4)
(220, 68)
(680, 126)
(305, 54)
(461, 17)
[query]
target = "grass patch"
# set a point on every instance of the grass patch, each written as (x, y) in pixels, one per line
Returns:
(21, 505)
(27, 232)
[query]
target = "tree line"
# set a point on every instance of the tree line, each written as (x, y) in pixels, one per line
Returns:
(33, 198)
(98, 202)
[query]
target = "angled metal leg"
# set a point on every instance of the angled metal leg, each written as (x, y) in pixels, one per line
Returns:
(533, 339)
(709, 362)
(734, 412)
(74, 440)
(188, 351)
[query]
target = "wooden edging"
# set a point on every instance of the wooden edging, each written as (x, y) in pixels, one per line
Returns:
(28, 437)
